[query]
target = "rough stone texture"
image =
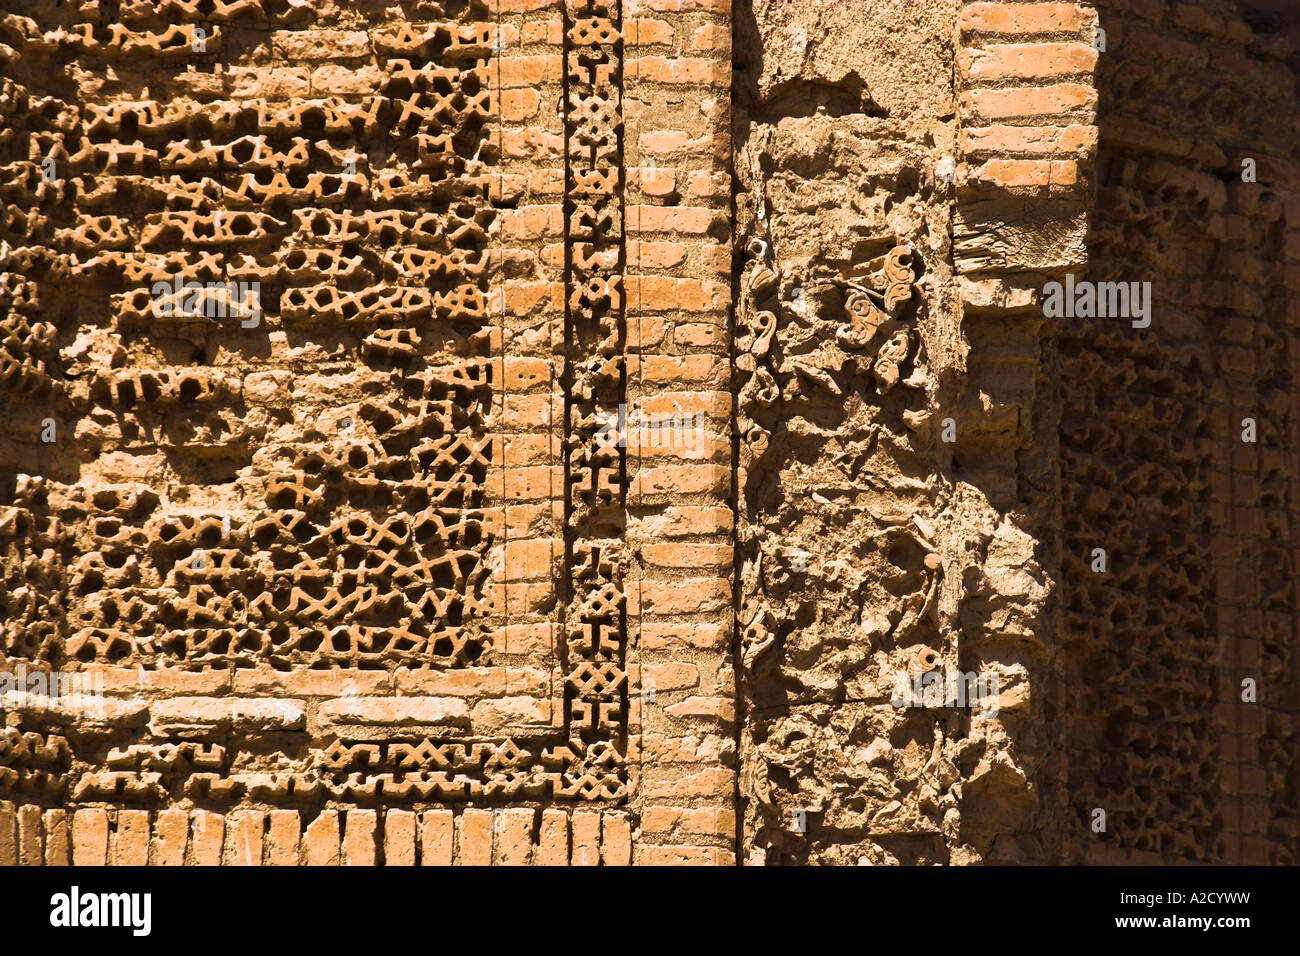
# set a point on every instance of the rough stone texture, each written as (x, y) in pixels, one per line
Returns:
(844, 348)
(640, 408)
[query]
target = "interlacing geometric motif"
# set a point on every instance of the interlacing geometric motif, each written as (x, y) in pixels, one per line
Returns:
(595, 381)
(361, 227)
(356, 541)
(589, 762)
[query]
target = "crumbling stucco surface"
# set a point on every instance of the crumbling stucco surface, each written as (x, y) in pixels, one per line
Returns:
(872, 545)
(841, 493)
(873, 553)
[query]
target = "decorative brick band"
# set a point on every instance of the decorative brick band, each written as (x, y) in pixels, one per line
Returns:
(516, 836)
(594, 378)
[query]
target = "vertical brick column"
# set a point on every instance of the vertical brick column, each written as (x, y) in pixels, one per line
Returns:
(526, 76)
(1027, 139)
(677, 154)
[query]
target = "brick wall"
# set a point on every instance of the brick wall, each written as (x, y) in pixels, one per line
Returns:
(513, 519)
(1200, 525)
(1023, 187)
(430, 562)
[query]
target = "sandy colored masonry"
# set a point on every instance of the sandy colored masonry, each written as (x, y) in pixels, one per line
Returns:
(587, 414)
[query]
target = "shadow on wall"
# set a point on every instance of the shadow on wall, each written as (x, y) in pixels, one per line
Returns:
(1198, 589)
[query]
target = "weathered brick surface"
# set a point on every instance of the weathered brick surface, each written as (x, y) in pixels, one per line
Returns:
(576, 476)
(407, 397)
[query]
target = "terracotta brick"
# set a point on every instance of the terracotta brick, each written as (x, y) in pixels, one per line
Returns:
(320, 44)
(679, 521)
(682, 70)
(711, 402)
(679, 555)
(642, 254)
(437, 838)
(705, 184)
(690, 596)
(320, 841)
(542, 31)
(283, 835)
(678, 220)
(712, 36)
(206, 838)
(1025, 61)
(711, 708)
(522, 374)
(532, 483)
(244, 835)
(679, 145)
(681, 480)
(661, 293)
(276, 82)
(652, 180)
(532, 560)
(1062, 99)
(699, 335)
(518, 105)
(699, 821)
(474, 838)
(644, 31)
(654, 442)
(8, 834)
(1030, 140)
(499, 715)
(171, 834)
(701, 749)
(684, 856)
(1024, 177)
(306, 682)
(615, 839)
(514, 837)
(553, 839)
(668, 677)
(530, 222)
(1023, 19)
(713, 782)
(664, 141)
(131, 838)
(395, 711)
(58, 838)
(89, 837)
(645, 331)
(333, 79)
(656, 635)
(476, 681)
(685, 6)
(586, 838)
(399, 838)
(679, 369)
(359, 837)
(531, 143)
(31, 838)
